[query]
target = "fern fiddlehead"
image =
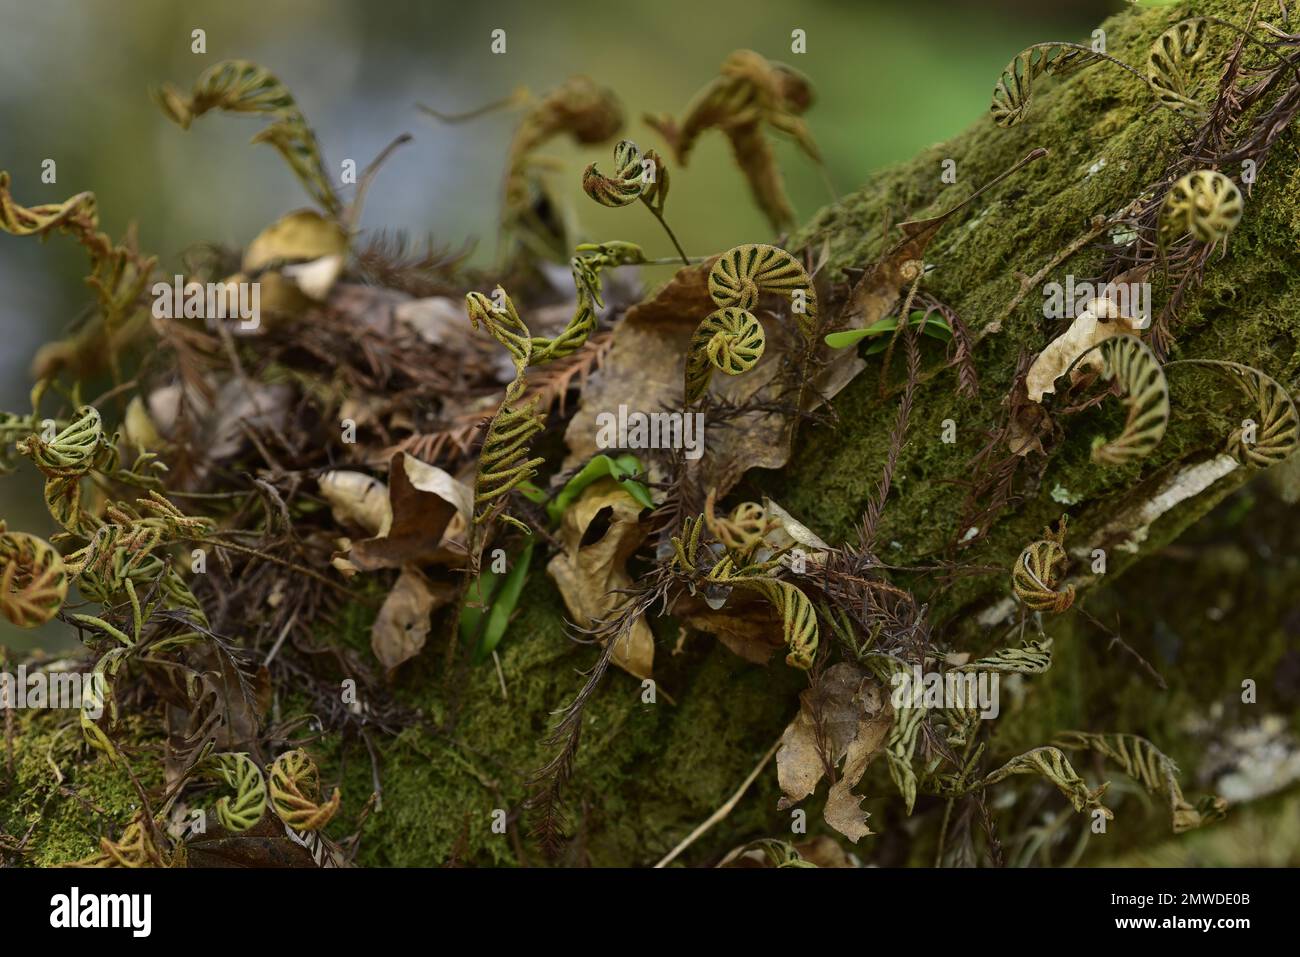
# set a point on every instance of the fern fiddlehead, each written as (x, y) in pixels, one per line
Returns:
(1014, 90)
(635, 177)
(731, 339)
(245, 778)
(798, 617)
(1277, 433)
(1173, 56)
(1037, 573)
(1153, 769)
(1131, 363)
(1204, 204)
(296, 792)
(33, 579)
(239, 86)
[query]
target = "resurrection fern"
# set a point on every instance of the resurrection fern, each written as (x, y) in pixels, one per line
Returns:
(740, 532)
(1131, 363)
(798, 617)
(1031, 658)
(589, 113)
(1277, 433)
(731, 338)
(775, 853)
(1014, 89)
(1050, 763)
(33, 579)
(1173, 57)
(245, 778)
(296, 792)
(238, 86)
(629, 182)
(135, 848)
(119, 273)
(1204, 204)
(74, 451)
(900, 748)
(97, 699)
(1038, 570)
(1154, 770)
(751, 93)
(504, 460)
(585, 268)
(635, 177)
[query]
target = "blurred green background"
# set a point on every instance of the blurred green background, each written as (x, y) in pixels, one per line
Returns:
(891, 77)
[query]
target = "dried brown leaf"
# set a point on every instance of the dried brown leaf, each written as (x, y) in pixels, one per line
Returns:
(599, 532)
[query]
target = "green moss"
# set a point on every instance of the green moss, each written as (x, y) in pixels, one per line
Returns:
(66, 794)
(1247, 311)
(646, 773)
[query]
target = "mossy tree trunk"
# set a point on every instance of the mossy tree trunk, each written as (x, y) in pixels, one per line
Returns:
(648, 773)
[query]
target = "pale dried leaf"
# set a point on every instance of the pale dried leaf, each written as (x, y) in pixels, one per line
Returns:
(590, 573)
(402, 625)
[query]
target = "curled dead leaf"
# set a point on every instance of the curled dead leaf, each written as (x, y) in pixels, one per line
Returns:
(403, 622)
(426, 503)
(844, 717)
(599, 532)
(357, 499)
(1100, 321)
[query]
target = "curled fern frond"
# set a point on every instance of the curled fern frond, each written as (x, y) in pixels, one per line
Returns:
(37, 220)
(1050, 763)
(1277, 433)
(751, 94)
(238, 86)
(72, 452)
(1156, 771)
(1014, 89)
(1204, 204)
(1031, 658)
(502, 323)
(119, 275)
(1173, 57)
(798, 617)
(742, 530)
(744, 273)
(900, 748)
(135, 848)
(729, 340)
(97, 698)
(296, 792)
(33, 579)
(1037, 572)
(1129, 361)
(633, 178)
(245, 778)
